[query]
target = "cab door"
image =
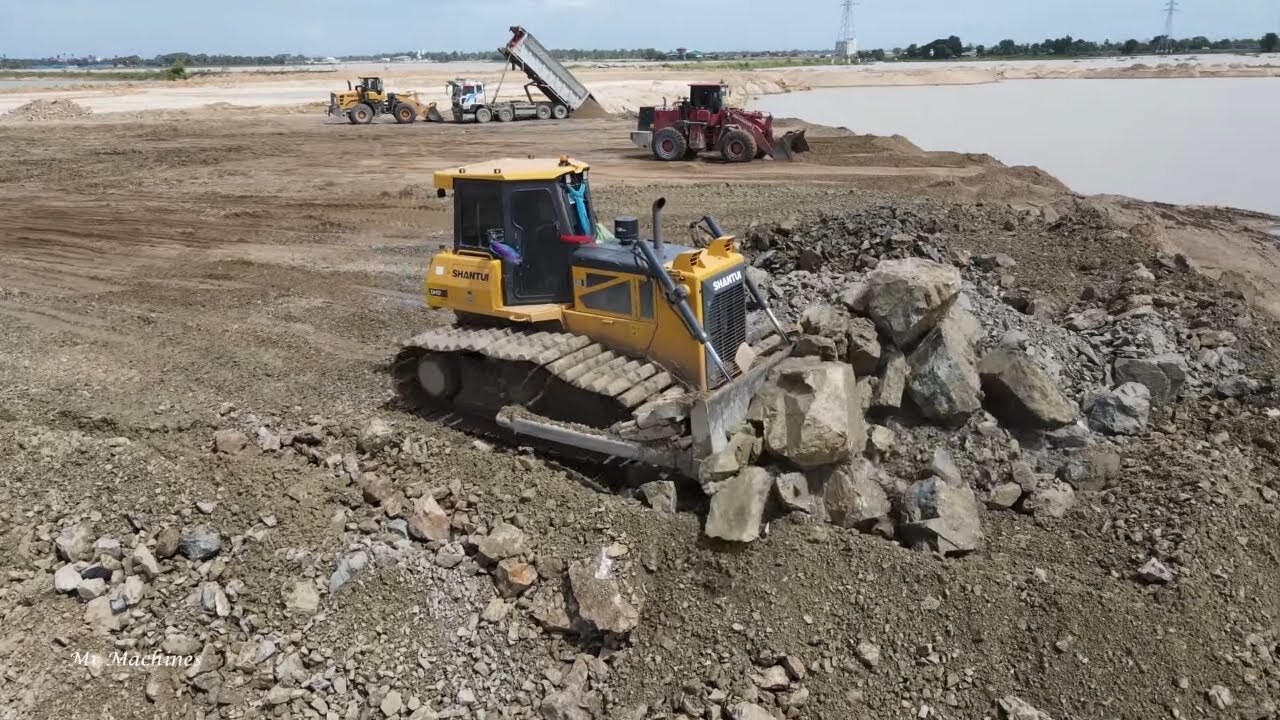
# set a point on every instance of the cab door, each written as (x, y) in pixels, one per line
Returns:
(536, 221)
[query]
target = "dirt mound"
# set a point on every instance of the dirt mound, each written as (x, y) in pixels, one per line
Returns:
(591, 109)
(49, 110)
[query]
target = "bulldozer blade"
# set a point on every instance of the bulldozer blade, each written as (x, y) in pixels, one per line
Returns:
(599, 443)
(712, 418)
(790, 145)
(433, 114)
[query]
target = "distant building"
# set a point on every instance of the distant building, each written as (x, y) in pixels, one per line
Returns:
(682, 53)
(846, 48)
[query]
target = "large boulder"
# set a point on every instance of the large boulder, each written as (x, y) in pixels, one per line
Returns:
(941, 517)
(1050, 500)
(1163, 375)
(853, 498)
(1020, 393)
(375, 435)
(504, 541)
(906, 298)
(729, 461)
(1123, 411)
(737, 508)
(893, 381)
(864, 346)
(944, 380)
(791, 489)
(828, 322)
(428, 521)
(959, 318)
(660, 495)
(75, 543)
(599, 598)
(811, 414)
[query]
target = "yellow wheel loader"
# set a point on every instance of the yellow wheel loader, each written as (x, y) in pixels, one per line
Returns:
(587, 340)
(368, 99)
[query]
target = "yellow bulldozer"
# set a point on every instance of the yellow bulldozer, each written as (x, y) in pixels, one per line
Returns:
(368, 99)
(593, 341)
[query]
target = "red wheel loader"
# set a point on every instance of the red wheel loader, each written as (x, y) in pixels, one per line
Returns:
(701, 123)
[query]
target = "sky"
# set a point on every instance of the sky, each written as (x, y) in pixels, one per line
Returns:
(337, 27)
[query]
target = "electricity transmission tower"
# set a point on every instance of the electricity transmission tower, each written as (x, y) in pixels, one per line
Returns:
(1166, 42)
(847, 41)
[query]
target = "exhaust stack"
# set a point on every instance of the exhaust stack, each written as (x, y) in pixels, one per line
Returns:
(657, 224)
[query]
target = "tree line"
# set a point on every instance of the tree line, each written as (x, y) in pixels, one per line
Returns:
(1067, 46)
(938, 49)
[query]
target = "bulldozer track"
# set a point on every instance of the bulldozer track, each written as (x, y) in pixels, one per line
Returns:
(574, 359)
(649, 415)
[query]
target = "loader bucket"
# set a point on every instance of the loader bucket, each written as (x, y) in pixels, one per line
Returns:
(433, 114)
(789, 145)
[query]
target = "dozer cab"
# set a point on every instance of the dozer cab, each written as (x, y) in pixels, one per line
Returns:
(702, 122)
(592, 341)
(368, 99)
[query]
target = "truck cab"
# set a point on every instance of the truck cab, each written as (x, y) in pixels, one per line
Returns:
(465, 95)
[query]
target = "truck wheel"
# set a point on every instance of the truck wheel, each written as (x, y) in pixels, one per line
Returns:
(484, 115)
(737, 146)
(669, 144)
(560, 112)
(351, 117)
(361, 114)
(544, 112)
(506, 114)
(405, 113)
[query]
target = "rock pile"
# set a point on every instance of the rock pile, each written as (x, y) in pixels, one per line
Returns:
(42, 110)
(176, 589)
(924, 384)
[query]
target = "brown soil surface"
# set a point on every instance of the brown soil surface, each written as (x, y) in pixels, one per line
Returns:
(154, 270)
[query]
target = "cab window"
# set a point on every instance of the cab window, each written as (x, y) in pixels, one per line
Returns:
(479, 211)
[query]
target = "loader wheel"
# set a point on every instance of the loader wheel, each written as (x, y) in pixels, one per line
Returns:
(361, 114)
(438, 377)
(560, 112)
(737, 146)
(351, 117)
(544, 112)
(484, 115)
(506, 114)
(668, 144)
(405, 113)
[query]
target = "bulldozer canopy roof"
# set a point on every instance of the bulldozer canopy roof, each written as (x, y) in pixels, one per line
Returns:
(511, 169)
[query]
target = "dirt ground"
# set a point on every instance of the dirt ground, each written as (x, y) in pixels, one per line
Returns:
(155, 272)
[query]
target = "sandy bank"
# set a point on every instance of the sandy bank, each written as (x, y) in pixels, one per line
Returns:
(622, 88)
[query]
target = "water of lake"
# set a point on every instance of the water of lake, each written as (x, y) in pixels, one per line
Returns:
(1188, 141)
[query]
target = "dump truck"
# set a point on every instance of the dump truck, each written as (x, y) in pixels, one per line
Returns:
(470, 100)
(703, 122)
(369, 99)
(597, 343)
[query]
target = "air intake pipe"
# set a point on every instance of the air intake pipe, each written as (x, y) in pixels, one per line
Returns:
(676, 295)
